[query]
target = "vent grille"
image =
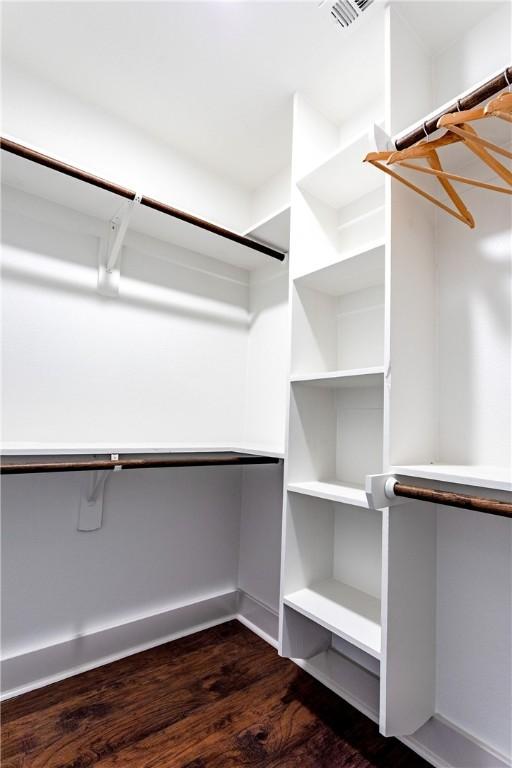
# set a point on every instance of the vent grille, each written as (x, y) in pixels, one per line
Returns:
(344, 12)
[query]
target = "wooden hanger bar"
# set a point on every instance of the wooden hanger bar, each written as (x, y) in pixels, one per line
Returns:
(471, 100)
(20, 465)
(117, 189)
(489, 506)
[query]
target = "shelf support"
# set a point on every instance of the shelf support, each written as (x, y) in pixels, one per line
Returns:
(109, 268)
(386, 491)
(92, 492)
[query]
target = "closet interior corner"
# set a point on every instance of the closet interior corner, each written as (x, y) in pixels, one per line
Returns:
(270, 334)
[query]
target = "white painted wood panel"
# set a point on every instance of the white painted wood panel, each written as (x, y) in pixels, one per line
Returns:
(346, 611)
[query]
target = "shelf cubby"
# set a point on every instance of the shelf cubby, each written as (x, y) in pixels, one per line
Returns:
(338, 317)
(336, 435)
(333, 573)
(344, 198)
(342, 177)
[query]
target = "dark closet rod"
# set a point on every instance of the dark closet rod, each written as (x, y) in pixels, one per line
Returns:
(117, 189)
(490, 506)
(21, 465)
(470, 101)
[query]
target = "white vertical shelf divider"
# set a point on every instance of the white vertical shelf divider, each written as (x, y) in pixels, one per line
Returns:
(409, 551)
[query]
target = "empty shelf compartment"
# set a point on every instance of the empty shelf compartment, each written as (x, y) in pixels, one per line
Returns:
(342, 609)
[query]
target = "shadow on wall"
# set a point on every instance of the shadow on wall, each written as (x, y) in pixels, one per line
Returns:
(43, 253)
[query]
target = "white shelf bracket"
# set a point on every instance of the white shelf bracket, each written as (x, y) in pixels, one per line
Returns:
(92, 491)
(379, 140)
(109, 267)
(379, 492)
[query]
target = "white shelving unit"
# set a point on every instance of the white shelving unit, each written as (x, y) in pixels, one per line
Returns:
(392, 304)
(348, 612)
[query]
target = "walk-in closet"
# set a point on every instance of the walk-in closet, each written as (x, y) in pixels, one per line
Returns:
(256, 419)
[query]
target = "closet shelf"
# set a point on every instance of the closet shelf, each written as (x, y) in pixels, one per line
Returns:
(273, 229)
(60, 449)
(360, 268)
(496, 478)
(357, 377)
(47, 177)
(344, 610)
(332, 491)
(362, 218)
(24, 464)
(346, 678)
(342, 177)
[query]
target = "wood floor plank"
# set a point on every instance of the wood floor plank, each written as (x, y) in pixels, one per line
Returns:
(221, 698)
(114, 716)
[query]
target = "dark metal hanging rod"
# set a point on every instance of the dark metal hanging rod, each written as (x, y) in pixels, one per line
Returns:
(20, 465)
(117, 189)
(490, 506)
(470, 101)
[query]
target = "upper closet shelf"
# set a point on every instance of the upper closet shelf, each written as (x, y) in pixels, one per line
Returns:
(359, 269)
(273, 230)
(356, 377)
(496, 478)
(61, 449)
(49, 178)
(342, 177)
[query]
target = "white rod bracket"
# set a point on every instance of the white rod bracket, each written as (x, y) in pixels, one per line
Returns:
(92, 492)
(379, 492)
(109, 266)
(379, 140)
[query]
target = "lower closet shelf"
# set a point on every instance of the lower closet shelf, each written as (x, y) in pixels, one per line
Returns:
(347, 612)
(349, 680)
(332, 490)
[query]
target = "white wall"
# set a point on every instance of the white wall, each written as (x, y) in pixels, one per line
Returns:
(165, 362)
(58, 123)
(474, 616)
(474, 576)
(169, 536)
(267, 358)
(260, 533)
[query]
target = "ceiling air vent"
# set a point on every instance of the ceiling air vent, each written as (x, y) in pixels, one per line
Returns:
(347, 11)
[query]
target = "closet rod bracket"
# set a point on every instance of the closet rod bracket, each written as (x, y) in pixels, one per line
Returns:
(92, 492)
(379, 491)
(109, 267)
(388, 491)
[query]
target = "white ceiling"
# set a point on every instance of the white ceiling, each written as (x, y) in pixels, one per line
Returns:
(214, 79)
(440, 22)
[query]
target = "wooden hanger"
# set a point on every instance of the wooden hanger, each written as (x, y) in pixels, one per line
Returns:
(381, 159)
(424, 148)
(457, 122)
(501, 106)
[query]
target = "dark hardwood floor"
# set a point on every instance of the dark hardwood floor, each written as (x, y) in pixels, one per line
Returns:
(222, 698)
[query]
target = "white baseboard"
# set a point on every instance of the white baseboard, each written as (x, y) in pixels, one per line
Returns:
(445, 745)
(42, 666)
(258, 617)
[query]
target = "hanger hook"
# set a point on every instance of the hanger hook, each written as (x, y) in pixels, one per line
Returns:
(506, 78)
(425, 131)
(458, 105)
